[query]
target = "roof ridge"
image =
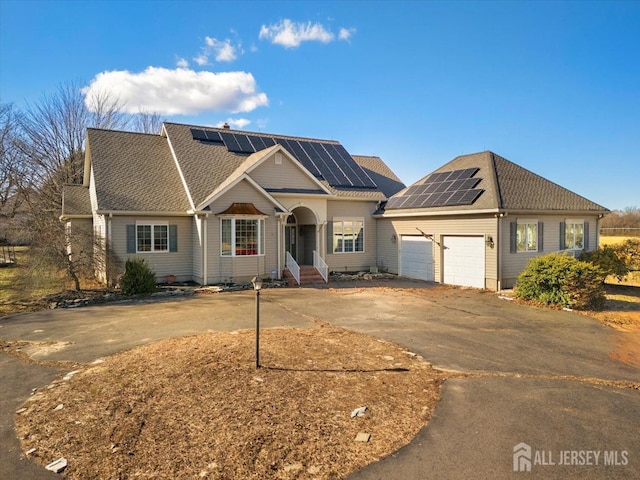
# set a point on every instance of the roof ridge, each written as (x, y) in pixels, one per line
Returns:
(547, 180)
(260, 134)
(123, 131)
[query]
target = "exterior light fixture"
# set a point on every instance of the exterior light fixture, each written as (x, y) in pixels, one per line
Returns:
(257, 286)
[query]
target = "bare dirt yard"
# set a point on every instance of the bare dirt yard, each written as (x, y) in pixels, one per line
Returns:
(196, 407)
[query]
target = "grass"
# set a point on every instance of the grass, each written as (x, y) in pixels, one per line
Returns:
(23, 285)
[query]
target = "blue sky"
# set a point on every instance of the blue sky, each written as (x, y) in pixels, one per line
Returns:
(552, 86)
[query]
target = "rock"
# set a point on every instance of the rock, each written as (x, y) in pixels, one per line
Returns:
(313, 470)
(57, 466)
(363, 437)
(29, 452)
(22, 410)
(292, 467)
(358, 412)
(60, 406)
(70, 374)
(388, 357)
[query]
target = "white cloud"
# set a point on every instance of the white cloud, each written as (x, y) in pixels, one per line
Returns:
(182, 63)
(178, 92)
(236, 123)
(345, 33)
(290, 34)
(224, 51)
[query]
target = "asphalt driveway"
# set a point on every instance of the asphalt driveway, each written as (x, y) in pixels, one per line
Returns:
(544, 378)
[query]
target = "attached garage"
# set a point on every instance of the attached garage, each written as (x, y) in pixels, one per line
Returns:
(463, 261)
(416, 257)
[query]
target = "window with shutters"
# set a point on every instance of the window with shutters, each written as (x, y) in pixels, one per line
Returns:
(527, 236)
(152, 238)
(574, 235)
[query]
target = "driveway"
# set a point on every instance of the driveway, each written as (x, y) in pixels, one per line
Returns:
(545, 378)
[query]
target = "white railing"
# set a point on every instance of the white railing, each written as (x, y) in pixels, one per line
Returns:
(293, 267)
(321, 266)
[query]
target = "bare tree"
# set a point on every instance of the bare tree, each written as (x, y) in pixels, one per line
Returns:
(8, 160)
(52, 155)
(146, 122)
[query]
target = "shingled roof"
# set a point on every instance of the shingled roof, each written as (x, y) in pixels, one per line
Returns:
(135, 172)
(76, 201)
(387, 181)
(508, 187)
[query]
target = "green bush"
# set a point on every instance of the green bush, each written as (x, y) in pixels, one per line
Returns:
(138, 277)
(609, 259)
(616, 260)
(562, 280)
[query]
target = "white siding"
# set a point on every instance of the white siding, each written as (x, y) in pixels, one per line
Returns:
(359, 260)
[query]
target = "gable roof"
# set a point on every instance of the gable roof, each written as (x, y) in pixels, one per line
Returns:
(172, 172)
(206, 165)
(387, 181)
(505, 186)
(134, 172)
(76, 201)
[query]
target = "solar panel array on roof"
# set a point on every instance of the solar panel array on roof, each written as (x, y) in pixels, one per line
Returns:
(326, 161)
(442, 189)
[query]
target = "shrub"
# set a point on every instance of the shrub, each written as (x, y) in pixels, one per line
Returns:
(609, 260)
(138, 277)
(562, 280)
(618, 260)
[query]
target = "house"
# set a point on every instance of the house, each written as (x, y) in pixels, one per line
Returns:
(478, 220)
(214, 204)
(211, 205)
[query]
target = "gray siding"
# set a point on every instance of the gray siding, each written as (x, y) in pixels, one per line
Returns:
(286, 175)
(341, 262)
(178, 263)
(219, 268)
(469, 225)
(514, 263)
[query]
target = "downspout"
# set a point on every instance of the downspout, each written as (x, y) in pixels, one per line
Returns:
(499, 217)
(107, 247)
(205, 275)
(279, 239)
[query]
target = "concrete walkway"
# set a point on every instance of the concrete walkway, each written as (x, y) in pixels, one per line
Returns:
(546, 378)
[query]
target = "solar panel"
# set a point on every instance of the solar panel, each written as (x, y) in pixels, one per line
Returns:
(317, 159)
(198, 134)
(213, 136)
(245, 144)
(326, 161)
(469, 183)
(257, 142)
(441, 189)
(230, 142)
(468, 172)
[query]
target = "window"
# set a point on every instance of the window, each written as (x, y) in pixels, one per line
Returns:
(527, 237)
(152, 238)
(241, 237)
(348, 235)
(574, 235)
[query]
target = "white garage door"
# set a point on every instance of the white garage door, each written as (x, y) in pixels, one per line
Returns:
(416, 258)
(464, 261)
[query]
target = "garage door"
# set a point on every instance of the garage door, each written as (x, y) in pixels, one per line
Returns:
(416, 257)
(464, 261)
